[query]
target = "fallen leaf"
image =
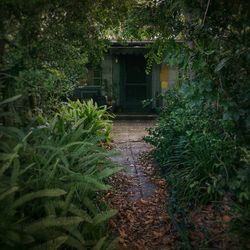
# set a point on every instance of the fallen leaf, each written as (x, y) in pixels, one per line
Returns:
(227, 218)
(122, 233)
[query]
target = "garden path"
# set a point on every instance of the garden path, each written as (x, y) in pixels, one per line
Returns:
(138, 194)
(128, 140)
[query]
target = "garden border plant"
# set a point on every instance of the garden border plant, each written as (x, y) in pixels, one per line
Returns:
(52, 177)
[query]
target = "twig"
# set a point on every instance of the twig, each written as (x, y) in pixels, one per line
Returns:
(208, 3)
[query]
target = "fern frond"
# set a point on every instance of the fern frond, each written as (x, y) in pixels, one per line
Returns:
(104, 216)
(52, 244)
(53, 222)
(113, 245)
(8, 192)
(99, 244)
(91, 183)
(38, 194)
(108, 172)
(74, 243)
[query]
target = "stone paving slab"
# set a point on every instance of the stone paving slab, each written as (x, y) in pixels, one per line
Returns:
(128, 140)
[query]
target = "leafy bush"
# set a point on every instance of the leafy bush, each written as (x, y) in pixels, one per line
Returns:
(49, 180)
(241, 188)
(95, 120)
(202, 158)
(193, 147)
(43, 87)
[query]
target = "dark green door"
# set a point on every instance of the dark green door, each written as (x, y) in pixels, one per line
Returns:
(135, 83)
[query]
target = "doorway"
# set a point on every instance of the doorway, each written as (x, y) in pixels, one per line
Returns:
(135, 83)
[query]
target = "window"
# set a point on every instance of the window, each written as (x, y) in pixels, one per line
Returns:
(97, 77)
(93, 77)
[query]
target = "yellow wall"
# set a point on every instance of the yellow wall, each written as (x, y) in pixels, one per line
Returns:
(164, 74)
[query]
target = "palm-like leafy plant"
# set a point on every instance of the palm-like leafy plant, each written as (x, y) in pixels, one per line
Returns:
(50, 179)
(95, 120)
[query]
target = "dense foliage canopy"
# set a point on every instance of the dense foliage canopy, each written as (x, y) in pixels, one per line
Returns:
(202, 137)
(46, 45)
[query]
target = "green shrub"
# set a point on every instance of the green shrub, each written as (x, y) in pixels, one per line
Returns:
(44, 86)
(95, 120)
(193, 148)
(241, 188)
(202, 157)
(50, 181)
(240, 184)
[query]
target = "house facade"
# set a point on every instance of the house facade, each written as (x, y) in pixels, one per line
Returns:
(121, 79)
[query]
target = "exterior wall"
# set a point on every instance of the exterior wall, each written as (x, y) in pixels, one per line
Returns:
(116, 68)
(110, 86)
(162, 78)
(168, 77)
(172, 76)
(107, 81)
(156, 86)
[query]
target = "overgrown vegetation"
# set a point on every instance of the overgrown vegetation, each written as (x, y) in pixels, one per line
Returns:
(194, 147)
(53, 169)
(45, 48)
(51, 164)
(95, 120)
(50, 176)
(202, 137)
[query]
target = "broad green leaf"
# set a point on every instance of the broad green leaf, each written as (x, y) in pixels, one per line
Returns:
(41, 193)
(79, 212)
(99, 244)
(74, 243)
(76, 233)
(90, 205)
(113, 244)
(92, 183)
(52, 244)
(8, 192)
(5, 167)
(73, 209)
(108, 172)
(27, 168)
(11, 99)
(221, 64)
(53, 222)
(7, 156)
(103, 216)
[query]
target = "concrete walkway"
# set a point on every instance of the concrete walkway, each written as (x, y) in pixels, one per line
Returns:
(128, 140)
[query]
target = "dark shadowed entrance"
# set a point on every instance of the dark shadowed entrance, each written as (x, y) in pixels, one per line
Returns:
(135, 83)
